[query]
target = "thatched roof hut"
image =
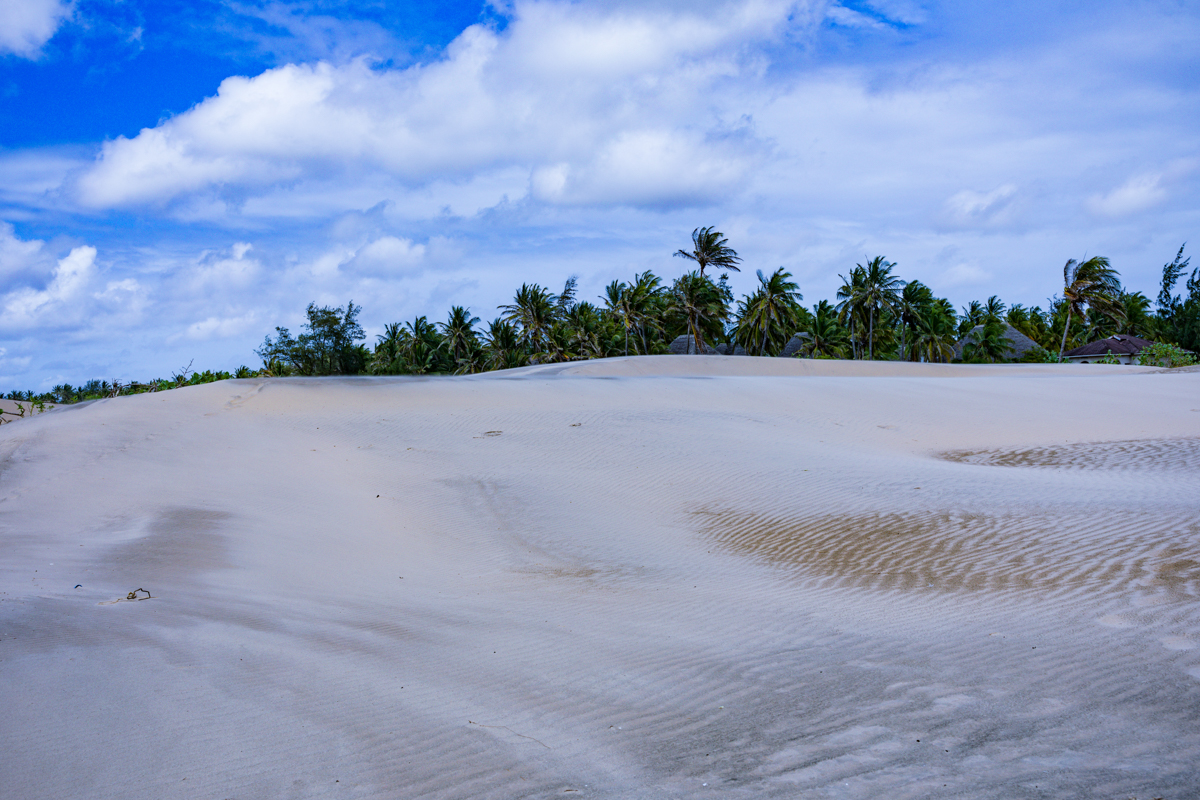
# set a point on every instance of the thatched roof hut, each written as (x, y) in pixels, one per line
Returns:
(1019, 342)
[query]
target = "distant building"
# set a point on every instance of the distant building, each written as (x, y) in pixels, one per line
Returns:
(1019, 342)
(1126, 349)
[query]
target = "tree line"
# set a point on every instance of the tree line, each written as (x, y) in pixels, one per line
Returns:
(875, 315)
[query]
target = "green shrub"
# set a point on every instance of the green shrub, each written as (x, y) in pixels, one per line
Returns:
(1161, 354)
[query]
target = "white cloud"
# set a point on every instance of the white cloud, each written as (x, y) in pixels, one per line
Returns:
(1137, 194)
(26, 307)
(971, 209)
(217, 328)
(388, 256)
(624, 98)
(26, 25)
(19, 258)
(226, 271)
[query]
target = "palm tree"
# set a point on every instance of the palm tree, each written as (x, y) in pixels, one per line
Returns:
(533, 309)
(502, 346)
(771, 312)
(647, 302)
(994, 308)
(914, 301)
(972, 315)
(616, 299)
(700, 302)
(1093, 284)
(828, 336)
(1138, 321)
(990, 343)
(709, 249)
(877, 290)
(422, 345)
(459, 332)
(849, 309)
(388, 350)
(935, 335)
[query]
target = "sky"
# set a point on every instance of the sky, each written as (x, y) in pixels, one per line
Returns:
(178, 179)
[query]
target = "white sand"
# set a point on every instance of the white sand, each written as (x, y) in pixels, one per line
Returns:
(661, 577)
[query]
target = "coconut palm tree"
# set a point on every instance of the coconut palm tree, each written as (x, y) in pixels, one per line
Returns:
(458, 331)
(617, 301)
(877, 290)
(934, 337)
(533, 309)
(772, 312)
(989, 343)
(647, 304)
(972, 315)
(850, 308)
(388, 350)
(828, 338)
(914, 302)
(994, 308)
(502, 346)
(1091, 284)
(700, 302)
(710, 249)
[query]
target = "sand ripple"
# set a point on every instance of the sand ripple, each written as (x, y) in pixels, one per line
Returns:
(1135, 454)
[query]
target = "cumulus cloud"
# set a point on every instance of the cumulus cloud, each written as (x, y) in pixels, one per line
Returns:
(624, 98)
(387, 255)
(26, 25)
(19, 259)
(26, 307)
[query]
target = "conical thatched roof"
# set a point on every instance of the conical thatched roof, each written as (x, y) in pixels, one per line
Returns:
(1021, 343)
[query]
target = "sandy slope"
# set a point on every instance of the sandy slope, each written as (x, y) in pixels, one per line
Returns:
(632, 578)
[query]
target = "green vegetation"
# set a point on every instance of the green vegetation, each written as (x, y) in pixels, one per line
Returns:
(1161, 354)
(876, 316)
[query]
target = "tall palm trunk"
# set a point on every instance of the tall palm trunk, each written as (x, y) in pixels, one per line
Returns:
(871, 337)
(1066, 327)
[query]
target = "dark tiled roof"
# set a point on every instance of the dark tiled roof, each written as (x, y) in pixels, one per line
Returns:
(1120, 344)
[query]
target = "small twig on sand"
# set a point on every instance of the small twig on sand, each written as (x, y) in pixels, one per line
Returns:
(514, 733)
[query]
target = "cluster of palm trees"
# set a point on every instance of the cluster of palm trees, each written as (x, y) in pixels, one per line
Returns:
(875, 315)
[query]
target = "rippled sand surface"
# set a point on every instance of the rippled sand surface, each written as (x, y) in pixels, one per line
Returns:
(640, 578)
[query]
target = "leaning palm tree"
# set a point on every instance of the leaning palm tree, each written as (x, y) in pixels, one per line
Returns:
(1092, 284)
(616, 299)
(710, 249)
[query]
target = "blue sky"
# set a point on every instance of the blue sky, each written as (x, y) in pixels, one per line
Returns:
(174, 182)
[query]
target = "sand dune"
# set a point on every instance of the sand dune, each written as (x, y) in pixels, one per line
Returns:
(657, 577)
